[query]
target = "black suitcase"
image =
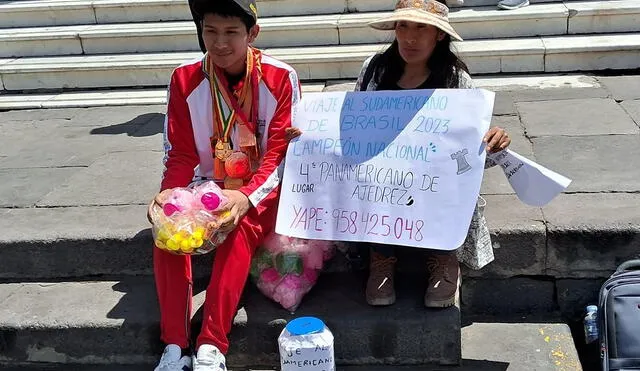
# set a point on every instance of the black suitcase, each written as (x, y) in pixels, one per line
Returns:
(619, 319)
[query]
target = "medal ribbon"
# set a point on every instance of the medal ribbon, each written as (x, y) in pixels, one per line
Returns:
(229, 110)
(239, 109)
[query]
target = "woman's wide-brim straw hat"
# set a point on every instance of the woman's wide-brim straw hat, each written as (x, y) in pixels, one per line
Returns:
(429, 12)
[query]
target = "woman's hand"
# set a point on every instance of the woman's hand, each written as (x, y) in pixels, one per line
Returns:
(292, 133)
(497, 139)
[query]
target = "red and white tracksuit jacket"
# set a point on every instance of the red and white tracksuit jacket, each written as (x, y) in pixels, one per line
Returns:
(189, 157)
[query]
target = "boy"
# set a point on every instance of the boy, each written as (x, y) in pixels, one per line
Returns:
(233, 101)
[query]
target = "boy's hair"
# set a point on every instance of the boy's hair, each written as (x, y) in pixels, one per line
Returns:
(223, 8)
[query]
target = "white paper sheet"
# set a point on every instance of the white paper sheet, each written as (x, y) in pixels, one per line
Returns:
(533, 183)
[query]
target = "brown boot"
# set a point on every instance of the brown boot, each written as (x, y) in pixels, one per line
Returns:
(444, 280)
(380, 289)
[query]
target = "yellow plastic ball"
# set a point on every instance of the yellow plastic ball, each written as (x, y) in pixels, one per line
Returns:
(198, 234)
(195, 242)
(173, 245)
(178, 238)
(163, 234)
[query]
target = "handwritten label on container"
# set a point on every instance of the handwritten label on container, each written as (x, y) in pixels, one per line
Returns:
(316, 358)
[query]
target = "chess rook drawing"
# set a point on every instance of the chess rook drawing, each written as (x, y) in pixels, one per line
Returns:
(463, 165)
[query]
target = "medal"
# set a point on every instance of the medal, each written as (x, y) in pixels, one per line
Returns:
(233, 183)
(232, 109)
(237, 165)
(223, 150)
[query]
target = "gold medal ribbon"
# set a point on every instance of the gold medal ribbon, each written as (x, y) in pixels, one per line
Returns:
(229, 110)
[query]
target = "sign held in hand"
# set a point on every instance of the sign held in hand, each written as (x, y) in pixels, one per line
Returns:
(534, 184)
(400, 168)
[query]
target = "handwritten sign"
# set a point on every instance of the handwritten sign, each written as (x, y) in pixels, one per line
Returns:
(400, 168)
(534, 184)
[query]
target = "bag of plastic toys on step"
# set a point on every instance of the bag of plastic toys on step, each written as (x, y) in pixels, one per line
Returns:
(185, 222)
(286, 268)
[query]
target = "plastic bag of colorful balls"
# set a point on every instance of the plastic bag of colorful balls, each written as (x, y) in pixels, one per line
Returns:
(286, 268)
(185, 221)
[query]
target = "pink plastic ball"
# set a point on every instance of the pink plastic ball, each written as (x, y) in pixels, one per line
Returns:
(170, 209)
(210, 200)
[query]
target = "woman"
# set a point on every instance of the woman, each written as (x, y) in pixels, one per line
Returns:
(420, 57)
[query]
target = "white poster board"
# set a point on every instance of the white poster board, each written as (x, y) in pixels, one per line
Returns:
(401, 168)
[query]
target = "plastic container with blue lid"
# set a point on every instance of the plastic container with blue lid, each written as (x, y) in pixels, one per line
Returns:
(306, 343)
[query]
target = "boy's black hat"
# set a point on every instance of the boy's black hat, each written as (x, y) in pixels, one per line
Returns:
(248, 6)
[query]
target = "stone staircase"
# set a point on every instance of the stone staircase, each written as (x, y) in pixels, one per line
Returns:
(115, 322)
(49, 46)
(86, 297)
(81, 296)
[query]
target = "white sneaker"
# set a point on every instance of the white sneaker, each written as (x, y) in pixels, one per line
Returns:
(209, 358)
(172, 360)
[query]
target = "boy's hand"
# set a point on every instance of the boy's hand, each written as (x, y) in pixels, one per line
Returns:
(160, 199)
(497, 139)
(237, 206)
(292, 133)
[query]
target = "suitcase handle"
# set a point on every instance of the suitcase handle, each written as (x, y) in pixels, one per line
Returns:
(629, 265)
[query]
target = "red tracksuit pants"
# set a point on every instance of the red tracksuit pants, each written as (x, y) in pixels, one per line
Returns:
(230, 271)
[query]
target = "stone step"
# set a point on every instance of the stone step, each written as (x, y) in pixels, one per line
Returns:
(600, 16)
(31, 13)
(75, 240)
(111, 322)
(514, 346)
(535, 268)
(336, 29)
(541, 54)
(89, 324)
(158, 96)
(520, 346)
(472, 3)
